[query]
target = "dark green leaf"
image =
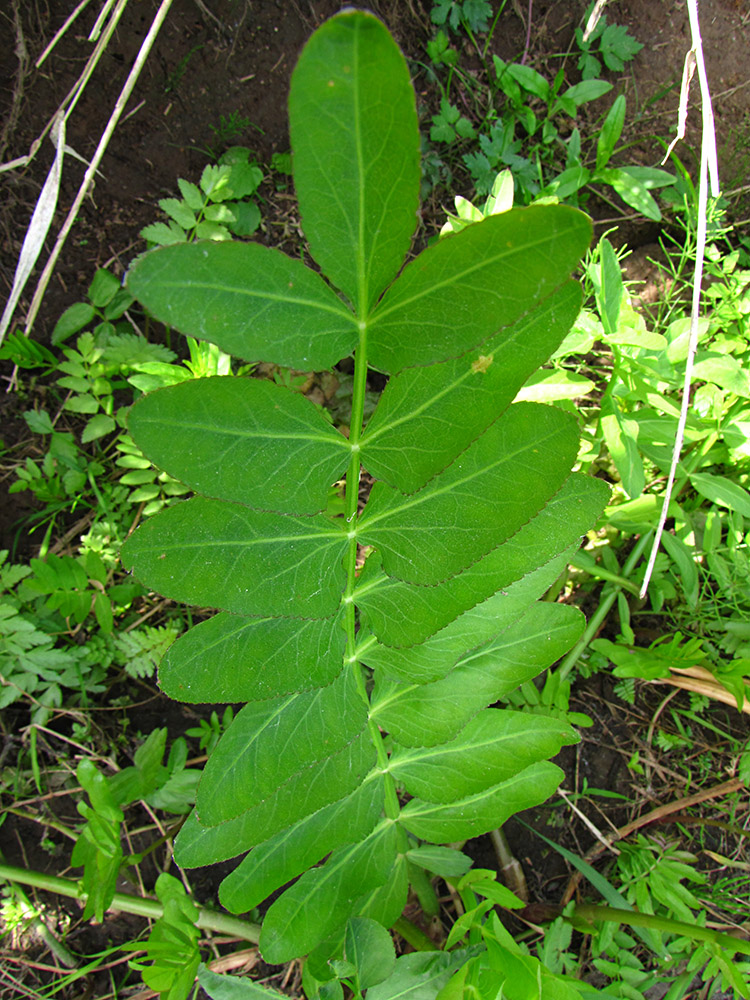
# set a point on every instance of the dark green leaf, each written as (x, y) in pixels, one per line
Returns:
(333, 778)
(320, 900)
(720, 490)
(369, 947)
(530, 80)
(301, 845)
(465, 288)
(274, 741)
(355, 148)
(246, 218)
(611, 132)
(75, 318)
(587, 90)
(103, 288)
(444, 861)
(420, 975)
(493, 488)
(426, 416)
(493, 747)
(487, 810)
(220, 987)
(234, 659)
(620, 434)
(242, 439)
(632, 190)
(223, 555)
(250, 300)
(610, 290)
(97, 427)
(402, 614)
(427, 714)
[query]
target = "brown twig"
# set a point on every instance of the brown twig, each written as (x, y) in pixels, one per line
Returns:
(22, 56)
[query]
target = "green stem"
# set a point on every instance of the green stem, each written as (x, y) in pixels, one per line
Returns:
(590, 912)
(609, 596)
(208, 920)
(491, 32)
(414, 936)
(29, 817)
(392, 807)
(57, 948)
(600, 573)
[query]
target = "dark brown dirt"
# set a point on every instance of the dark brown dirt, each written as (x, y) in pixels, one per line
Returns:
(236, 56)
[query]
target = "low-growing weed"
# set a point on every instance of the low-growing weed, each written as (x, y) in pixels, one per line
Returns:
(222, 204)
(454, 14)
(58, 640)
(230, 127)
(522, 121)
(611, 44)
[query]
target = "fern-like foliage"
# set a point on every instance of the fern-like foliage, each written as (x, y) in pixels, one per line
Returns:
(366, 730)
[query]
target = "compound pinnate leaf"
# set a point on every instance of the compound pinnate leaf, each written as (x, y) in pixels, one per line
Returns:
(488, 809)
(274, 741)
(245, 440)
(428, 714)
(462, 290)
(491, 489)
(474, 517)
(295, 849)
(432, 659)
(494, 746)
(222, 555)
(234, 659)
(332, 778)
(249, 300)
(426, 416)
(320, 900)
(402, 614)
(355, 147)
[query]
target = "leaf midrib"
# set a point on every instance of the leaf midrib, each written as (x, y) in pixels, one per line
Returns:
(342, 312)
(334, 438)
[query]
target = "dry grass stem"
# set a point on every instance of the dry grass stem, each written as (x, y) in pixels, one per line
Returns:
(709, 168)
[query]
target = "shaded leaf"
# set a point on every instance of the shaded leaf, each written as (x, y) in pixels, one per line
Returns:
(487, 810)
(301, 845)
(223, 555)
(242, 439)
(402, 614)
(493, 488)
(274, 741)
(428, 714)
(480, 279)
(426, 416)
(333, 778)
(249, 300)
(495, 745)
(355, 148)
(321, 899)
(233, 659)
